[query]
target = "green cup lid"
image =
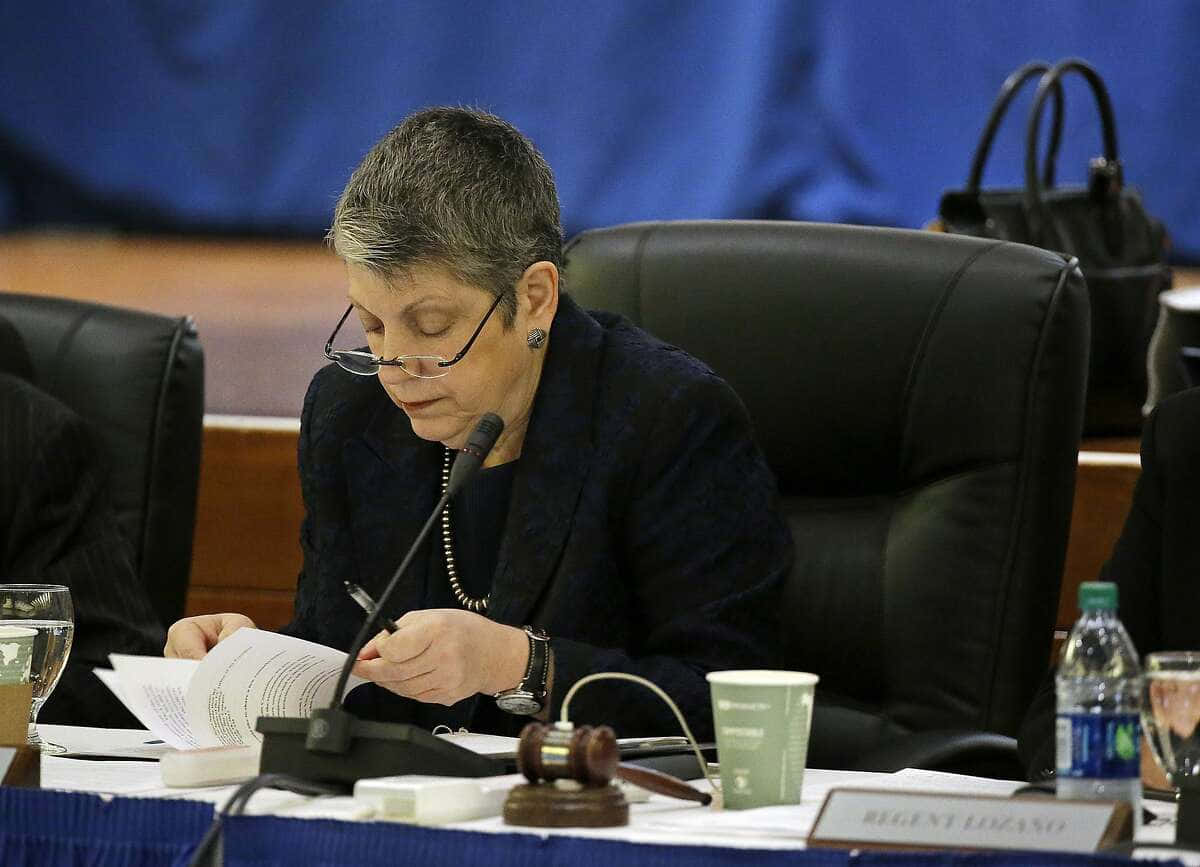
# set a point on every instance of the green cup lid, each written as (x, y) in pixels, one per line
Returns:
(1098, 594)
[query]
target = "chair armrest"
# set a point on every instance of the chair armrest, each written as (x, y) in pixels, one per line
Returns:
(978, 753)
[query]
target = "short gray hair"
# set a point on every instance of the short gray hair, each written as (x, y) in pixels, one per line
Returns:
(453, 187)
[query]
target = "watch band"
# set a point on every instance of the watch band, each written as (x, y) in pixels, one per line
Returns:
(529, 696)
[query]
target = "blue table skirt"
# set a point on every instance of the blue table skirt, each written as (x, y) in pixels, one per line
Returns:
(46, 827)
(64, 828)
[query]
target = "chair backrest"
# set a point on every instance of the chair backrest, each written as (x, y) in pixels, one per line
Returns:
(138, 379)
(919, 398)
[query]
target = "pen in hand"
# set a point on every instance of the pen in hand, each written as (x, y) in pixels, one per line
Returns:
(367, 604)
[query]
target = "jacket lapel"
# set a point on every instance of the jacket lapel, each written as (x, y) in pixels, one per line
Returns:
(555, 459)
(392, 479)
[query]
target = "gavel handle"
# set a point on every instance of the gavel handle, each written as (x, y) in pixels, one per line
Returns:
(663, 784)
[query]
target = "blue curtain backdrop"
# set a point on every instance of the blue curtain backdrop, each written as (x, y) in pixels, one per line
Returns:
(249, 115)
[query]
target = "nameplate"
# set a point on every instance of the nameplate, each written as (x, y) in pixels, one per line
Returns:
(879, 819)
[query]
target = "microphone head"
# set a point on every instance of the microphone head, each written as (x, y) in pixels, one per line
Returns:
(486, 432)
(472, 455)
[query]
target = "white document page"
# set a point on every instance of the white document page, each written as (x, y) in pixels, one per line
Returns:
(255, 673)
(216, 701)
(153, 688)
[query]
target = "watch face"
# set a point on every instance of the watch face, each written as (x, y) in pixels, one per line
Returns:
(519, 702)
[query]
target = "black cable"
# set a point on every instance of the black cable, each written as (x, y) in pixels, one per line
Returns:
(235, 804)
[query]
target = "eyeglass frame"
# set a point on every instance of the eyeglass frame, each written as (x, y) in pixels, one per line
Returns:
(332, 354)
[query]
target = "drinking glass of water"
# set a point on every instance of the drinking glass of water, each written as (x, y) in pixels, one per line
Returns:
(46, 609)
(1171, 714)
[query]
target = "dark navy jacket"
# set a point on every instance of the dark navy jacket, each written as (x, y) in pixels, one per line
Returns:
(642, 531)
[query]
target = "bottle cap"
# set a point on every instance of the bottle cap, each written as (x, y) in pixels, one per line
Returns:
(1098, 594)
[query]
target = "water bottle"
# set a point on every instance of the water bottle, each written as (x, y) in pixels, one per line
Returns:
(1099, 696)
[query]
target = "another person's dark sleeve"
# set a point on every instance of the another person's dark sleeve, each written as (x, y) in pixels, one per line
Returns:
(1136, 562)
(58, 528)
(1136, 567)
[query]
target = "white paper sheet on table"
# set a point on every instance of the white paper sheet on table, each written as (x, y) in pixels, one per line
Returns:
(940, 781)
(141, 780)
(217, 701)
(485, 745)
(796, 820)
(131, 779)
(110, 778)
(504, 747)
(111, 743)
(791, 820)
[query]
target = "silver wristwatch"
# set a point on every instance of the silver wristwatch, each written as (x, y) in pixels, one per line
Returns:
(528, 697)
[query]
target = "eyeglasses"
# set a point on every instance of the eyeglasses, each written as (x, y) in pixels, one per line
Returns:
(421, 366)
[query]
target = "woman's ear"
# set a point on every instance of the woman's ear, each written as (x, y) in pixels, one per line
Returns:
(537, 294)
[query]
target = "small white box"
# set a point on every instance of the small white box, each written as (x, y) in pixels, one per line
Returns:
(427, 800)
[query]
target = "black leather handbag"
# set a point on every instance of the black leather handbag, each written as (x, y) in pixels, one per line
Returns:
(1121, 249)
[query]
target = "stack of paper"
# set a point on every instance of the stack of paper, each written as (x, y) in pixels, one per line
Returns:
(216, 701)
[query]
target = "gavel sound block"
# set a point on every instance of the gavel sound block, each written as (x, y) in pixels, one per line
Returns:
(571, 771)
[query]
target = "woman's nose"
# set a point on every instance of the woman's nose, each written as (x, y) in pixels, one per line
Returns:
(387, 349)
(390, 375)
(386, 346)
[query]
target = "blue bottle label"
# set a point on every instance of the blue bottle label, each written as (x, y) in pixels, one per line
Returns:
(1098, 746)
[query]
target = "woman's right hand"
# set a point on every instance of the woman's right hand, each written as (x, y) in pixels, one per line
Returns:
(192, 637)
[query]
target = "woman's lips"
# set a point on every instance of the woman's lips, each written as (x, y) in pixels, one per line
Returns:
(416, 406)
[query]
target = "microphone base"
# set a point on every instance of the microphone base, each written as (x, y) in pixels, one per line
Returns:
(372, 749)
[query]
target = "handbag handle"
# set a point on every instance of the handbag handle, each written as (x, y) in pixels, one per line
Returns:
(1105, 178)
(1004, 98)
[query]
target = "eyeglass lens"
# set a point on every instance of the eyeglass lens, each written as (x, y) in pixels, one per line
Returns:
(421, 366)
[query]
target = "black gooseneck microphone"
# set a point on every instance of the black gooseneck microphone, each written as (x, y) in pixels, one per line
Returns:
(466, 464)
(337, 746)
(472, 455)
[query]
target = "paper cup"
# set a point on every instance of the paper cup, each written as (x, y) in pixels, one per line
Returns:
(762, 720)
(16, 653)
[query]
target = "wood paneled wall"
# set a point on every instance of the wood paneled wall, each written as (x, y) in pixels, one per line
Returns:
(263, 309)
(1108, 471)
(246, 554)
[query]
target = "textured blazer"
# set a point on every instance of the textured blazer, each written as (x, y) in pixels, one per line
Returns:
(1156, 561)
(56, 527)
(642, 532)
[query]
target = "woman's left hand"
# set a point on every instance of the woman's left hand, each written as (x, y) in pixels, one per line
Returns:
(443, 655)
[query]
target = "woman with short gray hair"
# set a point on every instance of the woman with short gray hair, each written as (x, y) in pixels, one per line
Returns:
(625, 519)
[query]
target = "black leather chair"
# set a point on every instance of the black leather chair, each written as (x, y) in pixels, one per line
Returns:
(138, 378)
(919, 398)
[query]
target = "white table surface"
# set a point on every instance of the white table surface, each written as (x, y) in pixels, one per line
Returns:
(657, 820)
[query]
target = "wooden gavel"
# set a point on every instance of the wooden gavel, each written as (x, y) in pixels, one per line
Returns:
(590, 756)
